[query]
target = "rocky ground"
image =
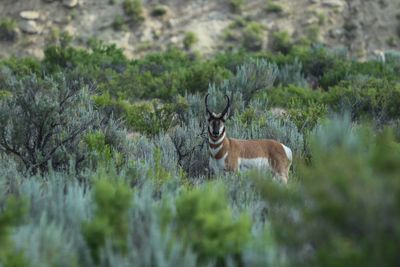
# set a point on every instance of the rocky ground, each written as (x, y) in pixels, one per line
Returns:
(365, 27)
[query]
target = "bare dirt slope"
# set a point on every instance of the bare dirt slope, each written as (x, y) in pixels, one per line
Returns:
(363, 26)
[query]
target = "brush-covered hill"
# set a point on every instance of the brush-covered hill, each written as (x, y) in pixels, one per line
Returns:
(364, 27)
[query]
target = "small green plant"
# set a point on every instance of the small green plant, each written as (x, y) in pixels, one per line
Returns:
(110, 220)
(253, 36)
(65, 39)
(239, 22)
(391, 41)
(54, 35)
(189, 40)
(313, 33)
(321, 19)
(100, 150)
(271, 7)
(229, 35)
(61, 38)
(144, 46)
(205, 222)
(134, 10)
(118, 23)
(281, 42)
(10, 216)
(350, 29)
(237, 5)
(159, 11)
(158, 173)
(234, 30)
(8, 29)
(306, 117)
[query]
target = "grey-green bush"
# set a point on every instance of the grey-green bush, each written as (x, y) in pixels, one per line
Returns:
(43, 121)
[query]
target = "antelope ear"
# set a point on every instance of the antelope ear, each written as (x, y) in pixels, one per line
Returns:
(208, 112)
(226, 115)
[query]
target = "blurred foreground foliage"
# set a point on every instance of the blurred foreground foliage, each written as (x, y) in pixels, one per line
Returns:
(345, 210)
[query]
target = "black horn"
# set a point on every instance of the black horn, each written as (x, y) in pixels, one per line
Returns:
(206, 102)
(228, 105)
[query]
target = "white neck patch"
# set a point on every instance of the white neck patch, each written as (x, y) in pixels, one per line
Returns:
(214, 151)
(219, 141)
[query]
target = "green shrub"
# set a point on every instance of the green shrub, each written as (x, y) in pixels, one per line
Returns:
(164, 75)
(291, 74)
(305, 107)
(4, 94)
(322, 67)
(20, 67)
(118, 23)
(391, 41)
(11, 215)
(376, 98)
(231, 60)
(61, 38)
(158, 173)
(350, 29)
(205, 222)
(236, 5)
(271, 7)
(65, 39)
(253, 36)
(189, 40)
(313, 33)
(159, 11)
(92, 65)
(284, 96)
(198, 77)
(307, 117)
(281, 42)
(8, 29)
(96, 141)
(321, 19)
(110, 220)
(149, 118)
(102, 152)
(134, 10)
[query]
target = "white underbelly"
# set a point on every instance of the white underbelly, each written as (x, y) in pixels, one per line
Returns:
(258, 163)
(217, 165)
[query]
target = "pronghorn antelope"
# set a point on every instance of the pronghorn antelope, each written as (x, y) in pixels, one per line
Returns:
(229, 154)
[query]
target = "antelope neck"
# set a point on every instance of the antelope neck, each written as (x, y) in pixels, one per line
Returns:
(215, 142)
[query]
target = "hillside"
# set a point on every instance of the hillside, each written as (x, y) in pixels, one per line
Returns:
(364, 27)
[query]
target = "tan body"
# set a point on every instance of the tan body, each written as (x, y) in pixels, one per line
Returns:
(233, 155)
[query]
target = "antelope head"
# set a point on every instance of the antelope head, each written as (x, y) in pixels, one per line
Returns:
(216, 122)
